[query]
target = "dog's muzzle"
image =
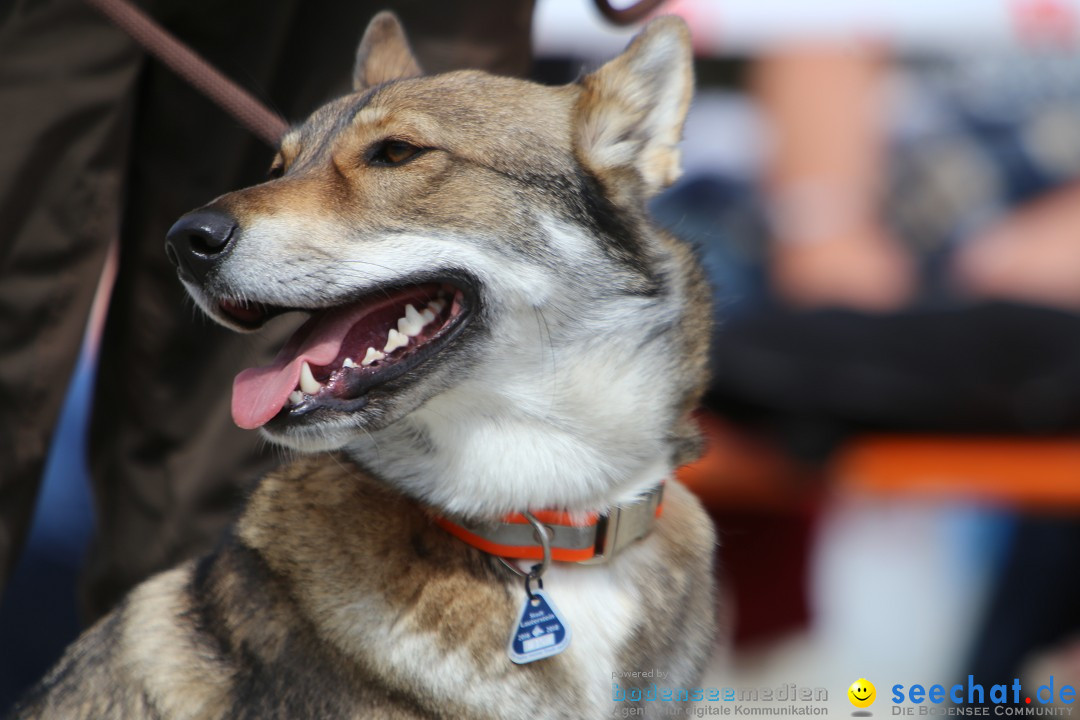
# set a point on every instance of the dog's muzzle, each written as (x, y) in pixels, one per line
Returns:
(198, 241)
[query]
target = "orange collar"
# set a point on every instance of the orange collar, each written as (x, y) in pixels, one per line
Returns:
(594, 540)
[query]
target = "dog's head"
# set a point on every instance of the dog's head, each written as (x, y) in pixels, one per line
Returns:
(494, 324)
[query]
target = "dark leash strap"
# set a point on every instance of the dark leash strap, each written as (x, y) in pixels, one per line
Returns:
(630, 14)
(235, 100)
(185, 62)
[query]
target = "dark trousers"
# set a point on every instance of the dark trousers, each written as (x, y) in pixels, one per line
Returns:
(99, 143)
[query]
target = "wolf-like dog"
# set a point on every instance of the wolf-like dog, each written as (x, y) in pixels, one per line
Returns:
(496, 328)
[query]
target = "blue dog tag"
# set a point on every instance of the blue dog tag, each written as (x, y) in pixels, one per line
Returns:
(540, 632)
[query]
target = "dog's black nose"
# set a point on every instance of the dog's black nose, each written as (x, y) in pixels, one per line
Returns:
(198, 240)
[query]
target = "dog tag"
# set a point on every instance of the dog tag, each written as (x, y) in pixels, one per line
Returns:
(540, 632)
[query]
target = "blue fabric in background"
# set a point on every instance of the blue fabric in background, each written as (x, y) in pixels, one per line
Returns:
(38, 611)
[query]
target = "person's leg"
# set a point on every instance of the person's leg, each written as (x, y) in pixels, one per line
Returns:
(168, 465)
(825, 181)
(1033, 604)
(65, 82)
(1030, 256)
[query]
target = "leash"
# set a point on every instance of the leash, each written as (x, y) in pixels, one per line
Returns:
(265, 124)
(628, 15)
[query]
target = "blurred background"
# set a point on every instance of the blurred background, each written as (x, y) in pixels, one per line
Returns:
(886, 197)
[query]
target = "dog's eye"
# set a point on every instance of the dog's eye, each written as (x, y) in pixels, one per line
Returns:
(392, 152)
(277, 168)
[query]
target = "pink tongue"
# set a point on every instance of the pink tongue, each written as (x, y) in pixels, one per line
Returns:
(260, 393)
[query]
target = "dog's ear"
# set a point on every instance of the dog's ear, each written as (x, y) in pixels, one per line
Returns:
(631, 111)
(384, 53)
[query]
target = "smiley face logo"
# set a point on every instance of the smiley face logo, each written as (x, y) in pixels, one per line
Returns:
(862, 693)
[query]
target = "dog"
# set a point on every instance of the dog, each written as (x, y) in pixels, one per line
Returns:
(491, 394)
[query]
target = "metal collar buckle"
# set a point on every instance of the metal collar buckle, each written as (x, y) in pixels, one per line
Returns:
(624, 525)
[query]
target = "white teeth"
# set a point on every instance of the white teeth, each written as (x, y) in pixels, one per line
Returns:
(295, 397)
(308, 383)
(348, 363)
(412, 315)
(437, 305)
(395, 340)
(372, 356)
(427, 316)
(412, 323)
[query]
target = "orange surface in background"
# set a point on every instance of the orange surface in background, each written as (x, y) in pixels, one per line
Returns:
(741, 471)
(1037, 473)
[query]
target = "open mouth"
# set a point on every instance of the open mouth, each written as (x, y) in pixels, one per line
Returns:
(339, 354)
